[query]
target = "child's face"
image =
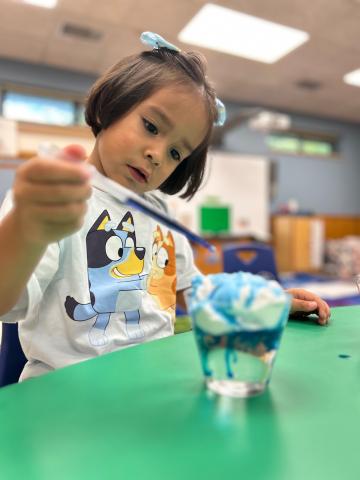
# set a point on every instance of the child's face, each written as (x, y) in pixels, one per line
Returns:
(142, 149)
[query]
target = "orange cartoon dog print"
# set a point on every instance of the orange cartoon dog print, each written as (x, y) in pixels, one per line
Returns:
(162, 278)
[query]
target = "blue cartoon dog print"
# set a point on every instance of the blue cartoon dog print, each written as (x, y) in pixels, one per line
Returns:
(114, 267)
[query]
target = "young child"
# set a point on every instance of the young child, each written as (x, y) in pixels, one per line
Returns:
(82, 273)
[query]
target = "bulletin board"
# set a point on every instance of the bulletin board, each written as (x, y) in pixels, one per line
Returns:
(240, 182)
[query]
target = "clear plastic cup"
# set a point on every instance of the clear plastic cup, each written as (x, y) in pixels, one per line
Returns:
(238, 364)
(238, 320)
(357, 281)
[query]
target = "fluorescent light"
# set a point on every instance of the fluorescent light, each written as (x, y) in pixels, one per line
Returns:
(236, 33)
(265, 121)
(42, 3)
(353, 78)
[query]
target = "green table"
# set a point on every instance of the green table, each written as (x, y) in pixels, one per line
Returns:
(142, 413)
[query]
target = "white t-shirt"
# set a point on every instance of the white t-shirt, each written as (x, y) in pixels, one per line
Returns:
(112, 284)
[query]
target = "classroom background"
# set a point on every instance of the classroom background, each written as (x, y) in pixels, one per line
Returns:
(284, 171)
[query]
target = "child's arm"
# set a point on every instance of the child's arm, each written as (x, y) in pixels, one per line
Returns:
(49, 204)
(304, 303)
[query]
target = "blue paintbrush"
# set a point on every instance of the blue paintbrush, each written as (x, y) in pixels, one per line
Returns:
(130, 198)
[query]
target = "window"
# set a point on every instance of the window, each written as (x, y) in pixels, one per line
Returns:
(80, 116)
(41, 106)
(303, 143)
(31, 108)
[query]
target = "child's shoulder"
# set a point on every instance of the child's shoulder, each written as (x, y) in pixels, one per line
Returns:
(158, 199)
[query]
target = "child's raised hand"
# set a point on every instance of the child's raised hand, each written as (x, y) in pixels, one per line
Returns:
(50, 196)
(305, 303)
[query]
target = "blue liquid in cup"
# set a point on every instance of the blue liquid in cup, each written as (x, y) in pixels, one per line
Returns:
(238, 363)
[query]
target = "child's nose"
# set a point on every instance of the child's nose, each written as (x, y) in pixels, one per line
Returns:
(154, 159)
(156, 153)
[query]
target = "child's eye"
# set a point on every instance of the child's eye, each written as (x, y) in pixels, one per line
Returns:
(150, 127)
(175, 155)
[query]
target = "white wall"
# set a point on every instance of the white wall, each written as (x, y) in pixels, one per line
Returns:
(239, 181)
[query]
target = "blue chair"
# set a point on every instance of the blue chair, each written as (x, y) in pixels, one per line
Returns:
(250, 257)
(12, 358)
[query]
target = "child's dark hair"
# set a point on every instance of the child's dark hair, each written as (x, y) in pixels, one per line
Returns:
(134, 79)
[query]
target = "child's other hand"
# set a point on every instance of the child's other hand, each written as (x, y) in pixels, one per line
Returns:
(50, 196)
(305, 303)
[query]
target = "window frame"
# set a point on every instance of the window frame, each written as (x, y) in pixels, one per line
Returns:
(76, 99)
(303, 136)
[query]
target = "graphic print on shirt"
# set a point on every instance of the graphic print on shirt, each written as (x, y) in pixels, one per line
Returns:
(114, 267)
(162, 278)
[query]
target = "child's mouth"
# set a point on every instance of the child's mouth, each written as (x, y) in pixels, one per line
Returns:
(137, 174)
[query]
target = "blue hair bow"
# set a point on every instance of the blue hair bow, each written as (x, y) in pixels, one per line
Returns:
(221, 118)
(154, 40)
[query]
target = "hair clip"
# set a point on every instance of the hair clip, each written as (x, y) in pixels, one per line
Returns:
(154, 40)
(221, 113)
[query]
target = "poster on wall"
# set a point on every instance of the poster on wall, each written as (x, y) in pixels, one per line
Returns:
(233, 200)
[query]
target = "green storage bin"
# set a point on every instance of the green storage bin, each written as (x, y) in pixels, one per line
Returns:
(214, 219)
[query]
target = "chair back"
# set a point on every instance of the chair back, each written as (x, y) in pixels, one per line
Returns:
(12, 358)
(250, 257)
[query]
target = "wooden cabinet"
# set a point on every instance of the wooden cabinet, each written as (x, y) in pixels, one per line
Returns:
(340, 226)
(299, 241)
(292, 241)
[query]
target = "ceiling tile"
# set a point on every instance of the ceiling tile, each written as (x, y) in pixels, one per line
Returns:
(29, 33)
(20, 46)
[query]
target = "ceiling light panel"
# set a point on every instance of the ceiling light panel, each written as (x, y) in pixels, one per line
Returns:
(239, 34)
(42, 3)
(353, 78)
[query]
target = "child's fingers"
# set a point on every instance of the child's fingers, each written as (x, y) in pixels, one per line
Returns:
(304, 303)
(60, 193)
(323, 320)
(303, 306)
(55, 171)
(73, 153)
(56, 231)
(59, 214)
(322, 309)
(323, 313)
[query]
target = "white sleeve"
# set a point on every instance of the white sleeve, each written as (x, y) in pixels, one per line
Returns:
(185, 266)
(39, 280)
